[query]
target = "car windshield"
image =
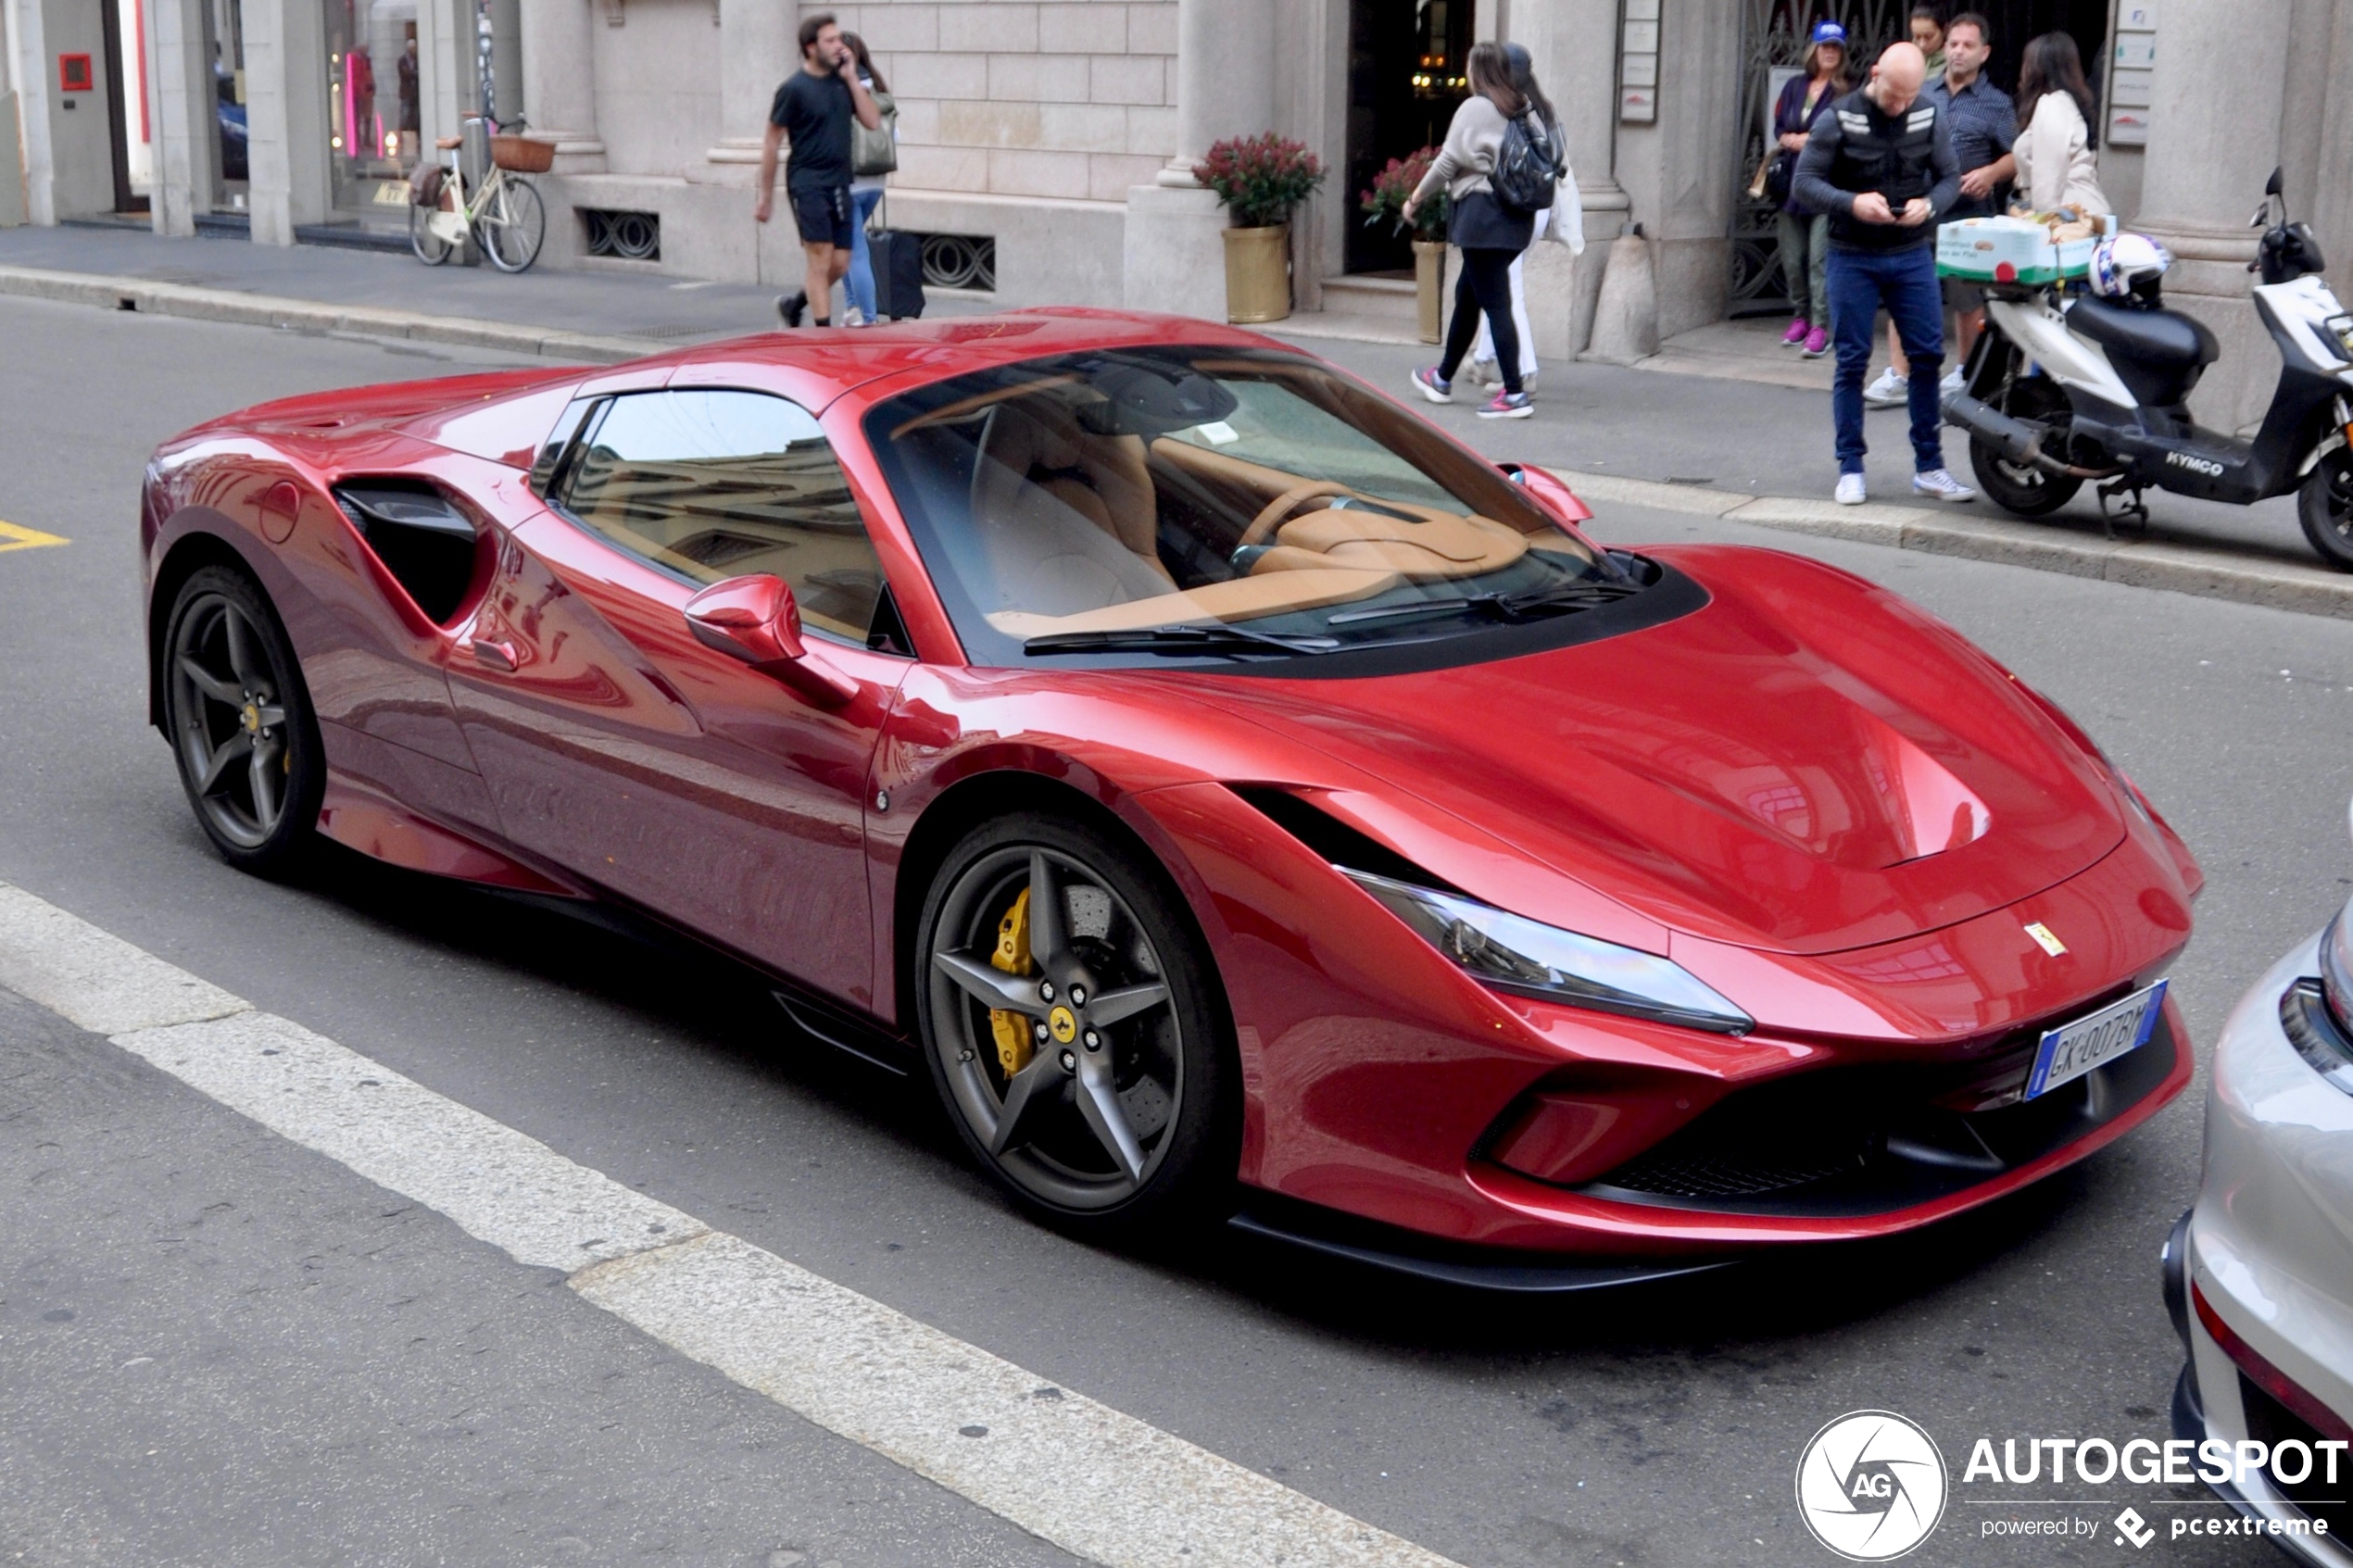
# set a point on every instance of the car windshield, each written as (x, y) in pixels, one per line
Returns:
(1211, 503)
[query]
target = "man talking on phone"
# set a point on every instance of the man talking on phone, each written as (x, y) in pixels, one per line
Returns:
(1880, 162)
(813, 112)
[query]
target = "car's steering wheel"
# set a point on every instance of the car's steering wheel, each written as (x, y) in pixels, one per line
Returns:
(1283, 505)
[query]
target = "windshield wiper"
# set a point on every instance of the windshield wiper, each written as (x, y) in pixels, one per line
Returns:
(1503, 606)
(1178, 640)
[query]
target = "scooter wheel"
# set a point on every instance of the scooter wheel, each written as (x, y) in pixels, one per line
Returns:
(2019, 487)
(2325, 505)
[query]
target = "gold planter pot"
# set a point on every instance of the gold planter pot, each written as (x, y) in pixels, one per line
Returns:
(1258, 273)
(1430, 288)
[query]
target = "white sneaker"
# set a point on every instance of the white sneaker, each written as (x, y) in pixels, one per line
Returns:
(1951, 383)
(852, 316)
(1888, 391)
(1850, 491)
(1481, 372)
(1942, 485)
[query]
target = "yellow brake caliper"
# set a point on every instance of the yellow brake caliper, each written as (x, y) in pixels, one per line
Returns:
(1012, 956)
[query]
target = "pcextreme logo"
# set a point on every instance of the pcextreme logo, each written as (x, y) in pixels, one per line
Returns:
(1871, 1486)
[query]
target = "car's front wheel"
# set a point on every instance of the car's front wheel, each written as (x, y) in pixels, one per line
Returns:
(239, 718)
(1075, 1030)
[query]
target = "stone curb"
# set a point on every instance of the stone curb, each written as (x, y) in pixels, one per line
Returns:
(303, 315)
(2172, 566)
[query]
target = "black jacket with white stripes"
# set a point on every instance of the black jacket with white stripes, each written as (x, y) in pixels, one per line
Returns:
(1854, 147)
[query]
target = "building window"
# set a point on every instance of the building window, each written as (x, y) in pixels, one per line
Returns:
(632, 236)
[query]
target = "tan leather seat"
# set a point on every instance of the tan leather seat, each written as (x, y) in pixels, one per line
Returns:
(449, 143)
(1103, 478)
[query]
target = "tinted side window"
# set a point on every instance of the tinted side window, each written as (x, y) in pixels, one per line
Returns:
(717, 484)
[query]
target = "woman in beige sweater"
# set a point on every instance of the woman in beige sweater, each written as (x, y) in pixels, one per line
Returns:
(2055, 168)
(1490, 234)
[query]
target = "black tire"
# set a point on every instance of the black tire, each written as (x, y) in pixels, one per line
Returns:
(2015, 486)
(431, 249)
(1166, 1072)
(240, 723)
(513, 226)
(2325, 505)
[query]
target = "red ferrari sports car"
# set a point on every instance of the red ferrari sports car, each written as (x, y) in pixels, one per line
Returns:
(1233, 792)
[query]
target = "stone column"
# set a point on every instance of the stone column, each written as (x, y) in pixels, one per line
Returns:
(757, 50)
(2212, 144)
(1176, 249)
(560, 80)
(286, 117)
(181, 94)
(29, 69)
(1573, 44)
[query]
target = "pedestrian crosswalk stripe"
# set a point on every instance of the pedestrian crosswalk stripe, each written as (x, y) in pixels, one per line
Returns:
(15, 538)
(1093, 1480)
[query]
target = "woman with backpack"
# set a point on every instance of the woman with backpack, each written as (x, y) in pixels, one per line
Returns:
(1563, 223)
(1497, 146)
(1806, 236)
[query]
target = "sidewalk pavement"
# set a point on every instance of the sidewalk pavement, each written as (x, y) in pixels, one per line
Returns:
(1706, 444)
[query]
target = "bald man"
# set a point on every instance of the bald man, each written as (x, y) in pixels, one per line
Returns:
(1880, 162)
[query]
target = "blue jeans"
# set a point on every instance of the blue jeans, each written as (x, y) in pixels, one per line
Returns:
(1904, 281)
(861, 281)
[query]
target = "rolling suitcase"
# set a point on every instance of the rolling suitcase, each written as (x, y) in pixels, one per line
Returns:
(898, 260)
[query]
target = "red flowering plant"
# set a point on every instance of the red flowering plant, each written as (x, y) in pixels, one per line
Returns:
(1260, 179)
(1386, 198)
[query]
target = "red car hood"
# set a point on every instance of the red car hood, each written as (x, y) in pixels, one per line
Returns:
(1807, 765)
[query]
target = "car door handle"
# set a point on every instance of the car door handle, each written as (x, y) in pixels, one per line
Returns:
(496, 656)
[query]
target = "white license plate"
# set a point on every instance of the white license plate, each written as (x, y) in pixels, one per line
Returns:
(2072, 1050)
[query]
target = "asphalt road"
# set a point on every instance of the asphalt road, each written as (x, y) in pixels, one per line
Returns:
(332, 1377)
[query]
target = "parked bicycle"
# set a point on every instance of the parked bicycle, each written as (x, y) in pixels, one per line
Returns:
(503, 215)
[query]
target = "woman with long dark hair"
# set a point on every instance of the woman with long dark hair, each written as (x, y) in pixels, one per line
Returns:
(1490, 233)
(1806, 236)
(865, 194)
(1563, 223)
(2055, 168)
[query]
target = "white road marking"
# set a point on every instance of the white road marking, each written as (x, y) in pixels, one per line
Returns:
(1098, 1484)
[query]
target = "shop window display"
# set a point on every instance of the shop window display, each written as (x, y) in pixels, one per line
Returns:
(374, 108)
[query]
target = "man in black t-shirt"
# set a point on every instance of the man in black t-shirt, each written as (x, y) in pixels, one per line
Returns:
(813, 112)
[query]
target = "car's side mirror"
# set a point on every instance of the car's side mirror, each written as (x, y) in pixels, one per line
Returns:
(754, 619)
(1547, 491)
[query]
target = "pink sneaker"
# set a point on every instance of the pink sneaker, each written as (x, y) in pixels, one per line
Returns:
(1818, 343)
(1797, 333)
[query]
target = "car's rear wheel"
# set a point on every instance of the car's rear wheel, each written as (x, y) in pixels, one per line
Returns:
(1075, 1029)
(239, 718)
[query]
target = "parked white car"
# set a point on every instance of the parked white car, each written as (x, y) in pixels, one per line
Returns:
(2259, 1275)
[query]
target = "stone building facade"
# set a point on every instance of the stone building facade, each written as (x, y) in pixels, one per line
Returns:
(1050, 141)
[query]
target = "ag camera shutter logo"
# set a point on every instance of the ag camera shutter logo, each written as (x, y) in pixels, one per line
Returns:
(1871, 1486)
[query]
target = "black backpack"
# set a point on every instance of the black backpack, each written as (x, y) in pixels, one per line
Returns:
(1528, 165)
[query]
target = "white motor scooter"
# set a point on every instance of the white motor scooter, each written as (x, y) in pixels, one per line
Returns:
(2064, 387)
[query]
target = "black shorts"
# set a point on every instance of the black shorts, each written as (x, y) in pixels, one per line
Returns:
(821, 213)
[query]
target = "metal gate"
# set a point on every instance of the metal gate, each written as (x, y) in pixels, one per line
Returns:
(1774, 32)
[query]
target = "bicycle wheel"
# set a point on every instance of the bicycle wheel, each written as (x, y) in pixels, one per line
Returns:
(511, 226)
(431, 249)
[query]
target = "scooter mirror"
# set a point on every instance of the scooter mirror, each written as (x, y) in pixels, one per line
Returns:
(2272, 186)
(2262, 216)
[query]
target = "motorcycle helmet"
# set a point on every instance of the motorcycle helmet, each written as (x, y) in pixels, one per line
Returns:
(2127, 266)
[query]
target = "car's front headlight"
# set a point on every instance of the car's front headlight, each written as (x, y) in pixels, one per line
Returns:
(1514, 954)
(2336, 968)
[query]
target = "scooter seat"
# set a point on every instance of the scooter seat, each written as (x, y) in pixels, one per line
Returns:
(2149, 337)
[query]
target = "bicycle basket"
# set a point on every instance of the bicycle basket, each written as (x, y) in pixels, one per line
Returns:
(522, 155)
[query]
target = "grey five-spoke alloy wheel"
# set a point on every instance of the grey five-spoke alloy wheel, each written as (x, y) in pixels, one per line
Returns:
(239, 721)
(1075, 1029)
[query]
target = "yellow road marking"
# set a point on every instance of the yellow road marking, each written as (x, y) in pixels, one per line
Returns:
(15, 538)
